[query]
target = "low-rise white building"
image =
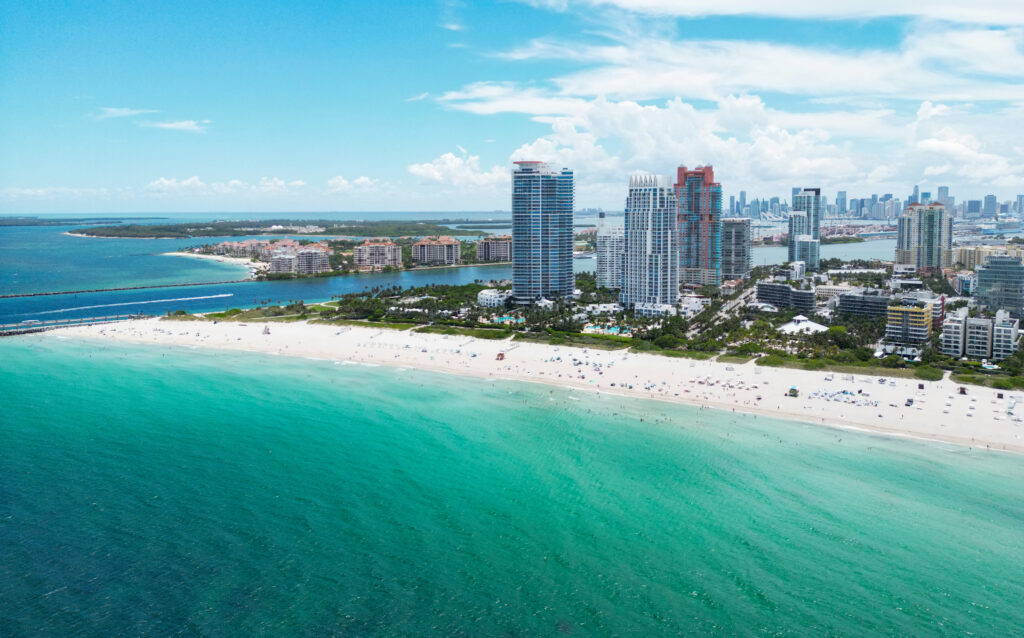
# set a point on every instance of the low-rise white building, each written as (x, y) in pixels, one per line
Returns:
(654, 309)
(491, 298)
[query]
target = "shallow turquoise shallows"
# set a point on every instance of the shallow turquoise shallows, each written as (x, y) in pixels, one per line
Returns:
(154, 491)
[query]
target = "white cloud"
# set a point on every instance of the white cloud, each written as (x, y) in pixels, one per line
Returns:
(450, 169)
(967, 158)
(978, 12)
(164, 186)
(933, 62)
(173, 185)
(928, 110)
(108, 112)
(341, 185)
(417, 98)
(194, 126)
(453, 26)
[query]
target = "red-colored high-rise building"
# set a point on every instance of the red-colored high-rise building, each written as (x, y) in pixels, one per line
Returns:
(699, 211)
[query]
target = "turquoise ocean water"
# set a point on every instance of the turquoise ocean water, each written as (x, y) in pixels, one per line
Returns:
(153, 491)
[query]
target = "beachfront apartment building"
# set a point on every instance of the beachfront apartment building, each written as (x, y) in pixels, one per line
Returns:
(909, 325)
(611, 248)
(496, 248)
(978, 338)
(542, 232)
(311, 260)
(993, 338)
(737, 256)
(433, 251)
(954, 334)
(699, 204)
(1005, 335)
(650, 263)
(376, 254)
(283, 262)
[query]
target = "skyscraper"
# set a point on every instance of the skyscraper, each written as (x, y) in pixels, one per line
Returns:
(611, 244)
(743, 201)
(737, 258)
(699, 202)
(916, 197)
(650, 270)
(841, 202)
(944, 199)
(797, 226)
(542, 211)
(808, 202)
(1020, 204)
(989, 208)
(925, 237)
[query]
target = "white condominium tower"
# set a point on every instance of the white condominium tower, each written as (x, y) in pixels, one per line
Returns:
(651, 264)
(542, 212)
(611, 243)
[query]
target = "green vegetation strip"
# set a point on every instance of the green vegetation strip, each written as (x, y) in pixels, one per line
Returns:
(479, 333)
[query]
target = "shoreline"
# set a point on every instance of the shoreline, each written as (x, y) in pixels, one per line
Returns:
(939, 414)
(248, 264)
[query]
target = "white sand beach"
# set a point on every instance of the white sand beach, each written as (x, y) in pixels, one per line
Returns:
(253, 266)
(939, 412)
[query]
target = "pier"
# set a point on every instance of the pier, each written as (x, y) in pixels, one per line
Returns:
(30, 326)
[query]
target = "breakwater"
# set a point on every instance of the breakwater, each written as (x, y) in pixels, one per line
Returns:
(81, 292)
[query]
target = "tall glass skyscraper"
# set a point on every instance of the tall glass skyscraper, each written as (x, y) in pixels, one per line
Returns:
(650, 273)
(542, 214)
(808, 202)
(699, 203)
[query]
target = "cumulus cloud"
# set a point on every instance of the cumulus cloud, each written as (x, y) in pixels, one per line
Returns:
(464, 171)
(341, 185)
(195, 186)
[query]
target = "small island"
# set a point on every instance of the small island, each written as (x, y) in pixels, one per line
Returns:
(249, 228)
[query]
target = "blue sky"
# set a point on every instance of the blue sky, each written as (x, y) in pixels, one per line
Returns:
(139, 106)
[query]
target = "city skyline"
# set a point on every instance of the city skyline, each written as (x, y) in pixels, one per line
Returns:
(127, 107)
